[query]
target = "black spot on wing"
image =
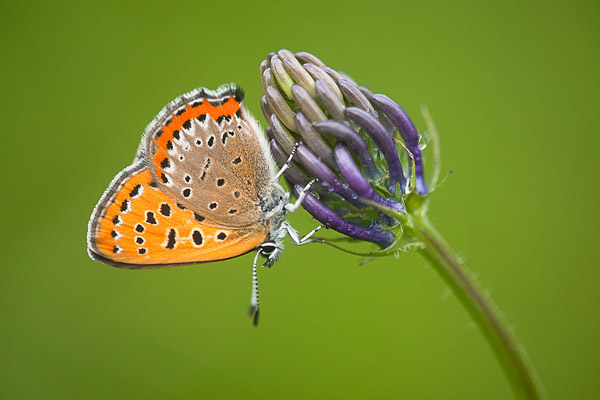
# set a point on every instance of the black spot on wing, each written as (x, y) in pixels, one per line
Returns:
(125, 205)
(150, 218)
(135, 191)
(165, 209)
(199, 217)
(197, 237)
(171, 239)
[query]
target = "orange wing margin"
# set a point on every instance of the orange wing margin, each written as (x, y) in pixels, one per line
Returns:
(137, 225)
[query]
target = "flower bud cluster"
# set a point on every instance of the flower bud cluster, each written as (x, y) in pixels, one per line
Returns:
(356, 144)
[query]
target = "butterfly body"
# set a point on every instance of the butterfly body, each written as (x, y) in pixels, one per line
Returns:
(202, 188)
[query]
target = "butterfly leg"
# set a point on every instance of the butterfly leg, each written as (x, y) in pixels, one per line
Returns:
(287, 162)
(293, 234)
(293, 207)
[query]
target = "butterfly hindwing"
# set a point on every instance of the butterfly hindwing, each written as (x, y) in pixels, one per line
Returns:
(138, 225)
(205, 150)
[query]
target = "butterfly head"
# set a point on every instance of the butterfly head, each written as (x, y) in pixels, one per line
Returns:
(274, 217)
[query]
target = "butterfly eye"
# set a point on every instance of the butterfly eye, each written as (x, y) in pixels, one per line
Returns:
(266, 249)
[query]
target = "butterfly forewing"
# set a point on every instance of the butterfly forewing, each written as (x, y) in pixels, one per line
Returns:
(137, 225)
(205, 150)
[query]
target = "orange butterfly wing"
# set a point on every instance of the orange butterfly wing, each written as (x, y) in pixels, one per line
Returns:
(136, 225)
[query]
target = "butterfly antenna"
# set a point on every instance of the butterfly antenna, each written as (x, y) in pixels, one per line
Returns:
(254, 306)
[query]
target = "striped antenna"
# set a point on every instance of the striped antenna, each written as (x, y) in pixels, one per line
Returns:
(254, 306)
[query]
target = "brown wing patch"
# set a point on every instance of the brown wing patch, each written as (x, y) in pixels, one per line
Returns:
(210, 159)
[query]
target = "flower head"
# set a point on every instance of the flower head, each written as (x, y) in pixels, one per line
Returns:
(362, 148)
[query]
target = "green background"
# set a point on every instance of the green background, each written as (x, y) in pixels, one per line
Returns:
(513, 87)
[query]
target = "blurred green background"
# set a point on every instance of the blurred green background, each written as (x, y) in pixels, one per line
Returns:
(513, 87)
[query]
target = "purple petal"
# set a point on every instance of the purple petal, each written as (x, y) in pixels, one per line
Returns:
(284, 80)
(263, 66)
(329, 99)
(354, 141)
(383, 140)
(366, 91)
(268, 79)
(353, 176)
(318, 74)
(407, 130)
(299, 75)
(331, 220)
(305, 57)
(313, 140)
(283, 53)
(328, 179)
(282, 135)
(307, 104)
(335, 75)
(280, 107)
(266, 110)
(294, 174)
(355, 96)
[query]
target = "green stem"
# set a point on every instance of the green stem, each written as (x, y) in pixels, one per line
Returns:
(509, 352)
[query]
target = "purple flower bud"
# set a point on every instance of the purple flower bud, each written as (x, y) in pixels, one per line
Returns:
(355, 96)
(300, 75)
(282, 77)
(305, 57)
(331, 219)
(352, 174)
(282, 135)
(407, 130)
(328, 179)
(307, 104)
(344, 137)
(266, 110)
(354, 141)
(280, 107)
(330, 100)
(381, 138)
(314, 141)
(318, 74)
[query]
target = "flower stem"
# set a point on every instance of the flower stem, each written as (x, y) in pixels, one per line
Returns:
(503, 341)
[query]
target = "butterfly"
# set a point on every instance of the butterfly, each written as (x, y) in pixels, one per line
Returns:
(202, 188)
